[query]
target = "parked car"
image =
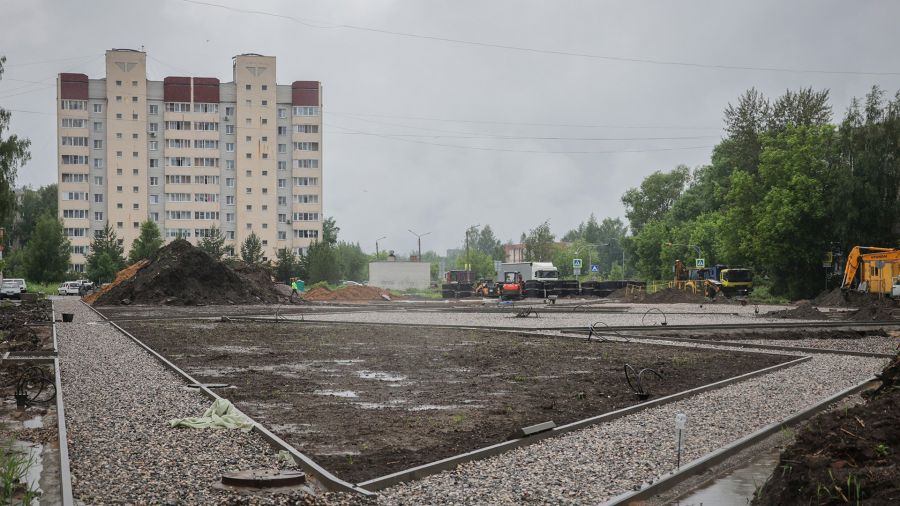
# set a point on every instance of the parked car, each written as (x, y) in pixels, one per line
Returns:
(22, 287)
(86, 285)
(69, 288)
(10, 289)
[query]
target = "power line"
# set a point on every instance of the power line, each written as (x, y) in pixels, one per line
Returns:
(513, 123)
(474, 135)
(556, 52)
(10, 65)
(480, 148)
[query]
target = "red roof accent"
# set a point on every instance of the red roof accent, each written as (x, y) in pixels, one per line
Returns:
(206, 89)
(73, 86)
(177, 89)
(305, 93)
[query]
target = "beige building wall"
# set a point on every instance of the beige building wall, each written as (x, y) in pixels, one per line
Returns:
(126, 141)
(119, 162)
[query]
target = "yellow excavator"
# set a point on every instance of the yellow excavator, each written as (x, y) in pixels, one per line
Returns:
(872, 269)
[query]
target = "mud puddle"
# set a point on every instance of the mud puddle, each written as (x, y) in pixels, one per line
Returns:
(736, 488)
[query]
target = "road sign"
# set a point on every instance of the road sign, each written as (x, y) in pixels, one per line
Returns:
(701, 263)
(576, 263)
(595, 268)
(578, 271)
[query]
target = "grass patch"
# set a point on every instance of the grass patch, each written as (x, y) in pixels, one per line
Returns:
(13, 469)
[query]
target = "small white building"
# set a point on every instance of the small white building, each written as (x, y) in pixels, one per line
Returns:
(400, 275)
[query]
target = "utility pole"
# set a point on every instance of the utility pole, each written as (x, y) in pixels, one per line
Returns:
(376, 246)
(419, 236)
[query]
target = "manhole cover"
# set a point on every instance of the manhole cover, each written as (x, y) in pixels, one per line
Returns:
(264, 478)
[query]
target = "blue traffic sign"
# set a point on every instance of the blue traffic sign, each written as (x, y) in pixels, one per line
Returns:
(595, 268)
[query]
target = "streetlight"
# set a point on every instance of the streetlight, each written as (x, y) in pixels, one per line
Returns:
(376, 245)
(468, 263)
(419, 236)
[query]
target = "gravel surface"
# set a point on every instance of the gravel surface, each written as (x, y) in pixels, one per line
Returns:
(865, 344)
(118, 399)
(595, 464)
(675, 314)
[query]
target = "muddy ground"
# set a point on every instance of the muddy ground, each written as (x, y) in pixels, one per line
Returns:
(365, 401)
(26, 327)
(849, 456)
(792, 334)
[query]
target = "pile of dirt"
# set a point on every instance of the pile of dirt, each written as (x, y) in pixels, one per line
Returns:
(803, 311)
(126, 273)
(845, 456)
(833, 298)
(183, 275)
(673, 295)
(346, 293)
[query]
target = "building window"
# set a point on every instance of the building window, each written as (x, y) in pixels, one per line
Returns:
(153, 127)
(134, 116)
(229, 129)
(178, 107)
(229, 110)
(118, 83)
(306, 146)
(73, 123)
(229, 200)
(154, 181)
(98, 215)
(247, 87)
(134, 154)
(282, 148)
(134, 189)
(153, 109)
(282, 235)
(248, 138)
(248, 122)
(154, 199)
(282, 130)
(153, 145)
(118, 205)
(134, 99)
(306, 164)
(74, 105)
(98, 144)
(154, 163)
(230, 235)
(98, 180)
(282, 201)
(263, 121)
(98, 197)
(134, 83)
(119, 97)
(206, 107)
(282, 165)
(98, 107)
(98, 163)
(134, 136)
(118, 172)
(229, 164)
(98, 126)
(229, 147)
(265, 103)
(229, 217)
(135, 206)
(118, 115)
(119, 189)
(119, 135)
(248, 156)
(248, 190)
(74, 160)
(282, 113)
(229, 182)
(306, 111)
(282, 183)
(306, 129)
(135, 172)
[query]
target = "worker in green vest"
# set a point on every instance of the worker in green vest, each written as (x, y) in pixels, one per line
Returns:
(297, 286)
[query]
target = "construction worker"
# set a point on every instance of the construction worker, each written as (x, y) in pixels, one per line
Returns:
(297, 286)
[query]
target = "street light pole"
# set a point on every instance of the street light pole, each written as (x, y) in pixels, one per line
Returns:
(376, 246)
(419, 236)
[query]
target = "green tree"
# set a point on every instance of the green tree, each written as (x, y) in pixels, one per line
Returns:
(287, 265)
(13, 153)
(480, 263)
(330, 231)
(539, 244)
(487, 243)
(106, 257)
(47, 252)
(147, 244)
(656, 195)
(354, 264)
(251, 250)
(322, 263)
(32, 205)
(214, 243)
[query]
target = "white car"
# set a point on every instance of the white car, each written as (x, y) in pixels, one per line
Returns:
(69, 288)
(9, 288)
(22, 287)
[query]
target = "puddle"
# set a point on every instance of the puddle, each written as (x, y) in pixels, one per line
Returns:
(35, 423)
(380, 376)
(428, 407)
(380, 405)
(244, 350)
(348, 361)
(736, 488)
(32, 452)
(337, 393)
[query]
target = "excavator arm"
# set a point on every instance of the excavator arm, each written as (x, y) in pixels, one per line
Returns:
(853, 263)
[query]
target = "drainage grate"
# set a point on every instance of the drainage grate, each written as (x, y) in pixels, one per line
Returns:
(264, 478)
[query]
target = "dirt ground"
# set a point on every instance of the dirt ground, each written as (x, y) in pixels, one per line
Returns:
(365, 401)
(849, 456)
(26, 327)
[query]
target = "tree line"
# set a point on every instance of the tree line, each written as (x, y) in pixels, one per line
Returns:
(784, 187)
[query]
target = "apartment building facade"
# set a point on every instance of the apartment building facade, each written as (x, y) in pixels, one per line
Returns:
(189, 153)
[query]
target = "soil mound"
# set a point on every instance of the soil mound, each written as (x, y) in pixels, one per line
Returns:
(17, 315)
(803, 311)
(122, 275)
(183, 275)
(346, 293)
(673, 295)
(845, 456)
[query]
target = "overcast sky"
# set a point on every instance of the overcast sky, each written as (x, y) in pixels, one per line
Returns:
(385, 171)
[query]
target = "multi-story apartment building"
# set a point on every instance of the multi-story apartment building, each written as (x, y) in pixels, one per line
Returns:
(190, 153)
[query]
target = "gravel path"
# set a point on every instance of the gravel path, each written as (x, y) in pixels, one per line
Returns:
(594, 464)
(866, 344)
(636, 315)
(118, 400)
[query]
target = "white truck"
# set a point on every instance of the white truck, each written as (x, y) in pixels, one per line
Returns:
(530, 271)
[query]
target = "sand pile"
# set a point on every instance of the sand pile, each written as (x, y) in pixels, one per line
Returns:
(122, 275)
(346, 293)
(183, 275)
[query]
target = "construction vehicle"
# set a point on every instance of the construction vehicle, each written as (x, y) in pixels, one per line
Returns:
(458, 284)
(530, 271)
(486, 288)
(512, 286)
(872, 270)
(710, 281)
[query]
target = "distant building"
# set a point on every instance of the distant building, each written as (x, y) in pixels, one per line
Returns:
(190, 153)
(516, 252)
